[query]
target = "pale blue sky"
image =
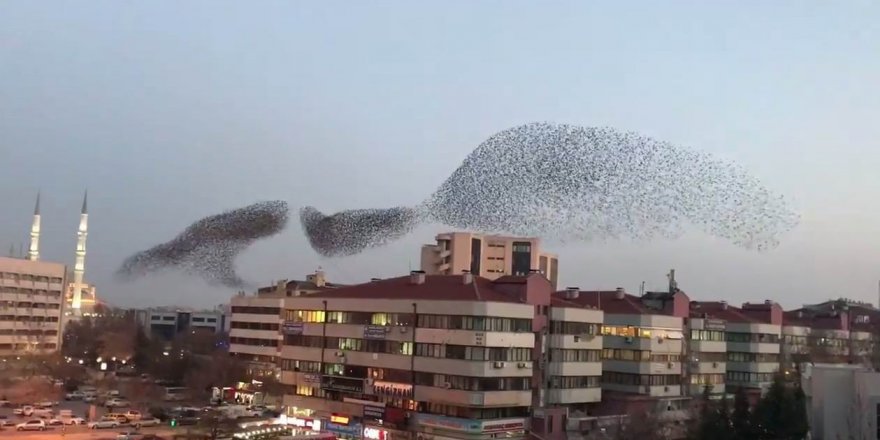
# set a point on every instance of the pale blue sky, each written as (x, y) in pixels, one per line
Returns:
(169, 111)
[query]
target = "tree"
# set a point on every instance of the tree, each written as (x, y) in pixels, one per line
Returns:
(712, 421)
(781, 414)
(741, 419)
(214, 424)
(800, 425)
(218, 370)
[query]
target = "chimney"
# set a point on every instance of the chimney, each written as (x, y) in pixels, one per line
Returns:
(467, 277)
(572, 292)
(373, 280)
(768, 302)
(417, 277)
(723, 305)
(619, 293)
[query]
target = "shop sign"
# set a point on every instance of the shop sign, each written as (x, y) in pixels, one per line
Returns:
(292, 328)
(479, 338)
(371, 433)
(353, 430)
(374, 412)
(713, 324)
(336, 383)
(374, 332)
(312, 378)
(314, 425)
(392, 389)
(341, 420)
(469, 425)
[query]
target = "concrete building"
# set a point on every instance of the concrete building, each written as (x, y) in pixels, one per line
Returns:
(255, 321)
(168, 323)
(31, 306)
(707, 353)
(488, 256)
(465, 356)
(843, 401)
(753, 335)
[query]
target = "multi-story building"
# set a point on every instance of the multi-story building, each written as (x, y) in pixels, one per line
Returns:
(706, 360)
(753, 335)
(488, 256)
(643, 349)
(31, 303)
(255, 327)
(168, 323)
(843, 401)
(445, 356)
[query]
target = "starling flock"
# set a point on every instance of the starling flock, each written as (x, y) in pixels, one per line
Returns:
(559, 182)
(208, 247)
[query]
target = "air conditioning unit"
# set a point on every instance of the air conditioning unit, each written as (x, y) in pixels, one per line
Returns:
(659, 339)
(714, 364)
(498, 365)
(577, 339)
(665, 388)
(521, 365)
(404, 329)
(447, 385)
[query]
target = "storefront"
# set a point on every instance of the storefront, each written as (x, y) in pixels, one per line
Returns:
(383, 433)
(433, 427)
(343, 427)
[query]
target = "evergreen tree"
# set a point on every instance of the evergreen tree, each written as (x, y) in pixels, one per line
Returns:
(800, 425)
(769, 419)
(741, 419)
(724, 422)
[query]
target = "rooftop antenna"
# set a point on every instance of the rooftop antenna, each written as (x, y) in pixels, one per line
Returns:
(642, 289)
(673, 286)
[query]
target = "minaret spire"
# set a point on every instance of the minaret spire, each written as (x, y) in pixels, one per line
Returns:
(34, 248)
(79, 268)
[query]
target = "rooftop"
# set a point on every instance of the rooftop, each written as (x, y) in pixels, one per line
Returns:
(719, 310)
(434, 287)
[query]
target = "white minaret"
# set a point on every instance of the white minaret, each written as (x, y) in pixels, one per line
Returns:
(79, 268)
(34, 249)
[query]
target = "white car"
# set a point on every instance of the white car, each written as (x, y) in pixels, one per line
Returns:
(146, 422)
(117, 403)
(89, 398)
(74, 421)
(133, 415)
(4, 422)
(46, 404)
(31, 425)
(55, 422)
(103, 424)
(75, 395)
(26, 411)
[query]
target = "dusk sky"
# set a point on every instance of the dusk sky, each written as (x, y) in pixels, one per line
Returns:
(170, 111)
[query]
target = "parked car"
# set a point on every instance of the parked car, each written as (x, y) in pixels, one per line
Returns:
(117, 403)
(104, 424)
(31, 425)
(90, 398)
(5, 403)
(146, 422)
(55, 422)
(133, 415)
(5, 422)
(74, 395)
(128, 435)
(25, 410)
(74, 421)
(45, 404)
(43, 413)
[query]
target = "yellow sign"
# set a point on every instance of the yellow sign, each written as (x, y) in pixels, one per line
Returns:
(342, 420)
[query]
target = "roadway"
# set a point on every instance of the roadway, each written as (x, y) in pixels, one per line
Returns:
(83, 433)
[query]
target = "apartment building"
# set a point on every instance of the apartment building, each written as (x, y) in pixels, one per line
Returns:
(753, 335)
(31, 303)
(255, 332)
(488, 256)
(437, 356)
(843, 401)
(642, 351)
(706, 353)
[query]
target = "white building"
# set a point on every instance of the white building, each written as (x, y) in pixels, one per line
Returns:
(707, 354)
(843, 401)
(31, 303)
(166, 324)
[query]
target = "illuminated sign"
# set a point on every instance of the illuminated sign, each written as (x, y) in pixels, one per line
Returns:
(314, 425)
(375, 332)
(342, 420)
(374, 412)
(469, 425)
(392, 389)
(337, 383)
(292, 328)
(371, 433)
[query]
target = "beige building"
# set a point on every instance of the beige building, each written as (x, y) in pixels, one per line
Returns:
(31, 301)
(255, 320)
(488, 256)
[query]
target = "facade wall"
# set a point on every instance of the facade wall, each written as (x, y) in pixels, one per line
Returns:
(31, 306)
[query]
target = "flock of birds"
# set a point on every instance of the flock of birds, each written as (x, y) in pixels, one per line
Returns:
(559, 182)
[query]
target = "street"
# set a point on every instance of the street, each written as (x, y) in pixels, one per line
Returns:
(79, 433)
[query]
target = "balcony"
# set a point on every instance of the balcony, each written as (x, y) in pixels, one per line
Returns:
(473, 398)
(334, 330)
(366, 359)
(709, 367)
(585, 342)
(574, 368)
(643, 368)
(753, 367)
(300, 378)
(574, 395)
(323, 405)
(475, 338)
(753, 347)
(301, 353)
(697, 389)
(708, 346)
(474, 368)
(253, 349)
(255, 334)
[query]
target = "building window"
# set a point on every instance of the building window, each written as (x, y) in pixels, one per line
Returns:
(569, 382)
